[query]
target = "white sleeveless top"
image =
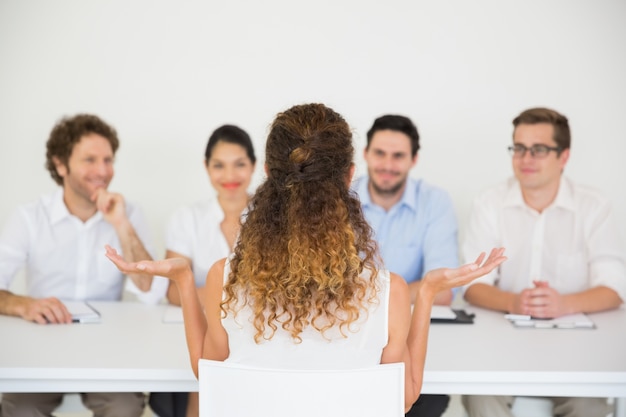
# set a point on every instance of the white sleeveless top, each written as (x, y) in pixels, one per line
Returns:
(362, 347)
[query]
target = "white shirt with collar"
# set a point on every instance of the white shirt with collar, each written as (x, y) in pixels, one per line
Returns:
(63, 256)
(195, 231)
(573, 244)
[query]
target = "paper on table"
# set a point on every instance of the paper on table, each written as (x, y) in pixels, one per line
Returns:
(442, 312)
(82, 312)
(570, 321)
(173, 314)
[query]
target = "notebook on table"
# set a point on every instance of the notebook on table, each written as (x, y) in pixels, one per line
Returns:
(570, 321)
(82, 312)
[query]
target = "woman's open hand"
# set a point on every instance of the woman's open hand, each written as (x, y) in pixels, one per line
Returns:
(447, 278)
(175, 269)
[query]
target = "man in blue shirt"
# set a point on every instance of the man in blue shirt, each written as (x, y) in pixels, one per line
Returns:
(414, 222)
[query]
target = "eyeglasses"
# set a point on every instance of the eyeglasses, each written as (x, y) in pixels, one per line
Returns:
(536, 151)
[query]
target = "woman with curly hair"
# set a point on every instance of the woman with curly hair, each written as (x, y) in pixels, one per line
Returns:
(305, 287)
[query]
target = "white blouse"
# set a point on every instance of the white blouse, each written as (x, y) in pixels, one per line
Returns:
(194, 231)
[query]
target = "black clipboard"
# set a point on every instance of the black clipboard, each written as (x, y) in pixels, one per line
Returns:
(462, 317)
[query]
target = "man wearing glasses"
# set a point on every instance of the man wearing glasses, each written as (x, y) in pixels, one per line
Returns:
(565, 255)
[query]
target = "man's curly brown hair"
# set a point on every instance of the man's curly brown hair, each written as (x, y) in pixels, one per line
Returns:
(67, 133)
(305, 243)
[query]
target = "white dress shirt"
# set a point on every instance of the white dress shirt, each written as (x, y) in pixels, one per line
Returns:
(195, 231)
(573, 244)
(63, 256)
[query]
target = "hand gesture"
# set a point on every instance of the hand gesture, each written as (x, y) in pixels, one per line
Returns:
(447, 278)
(176, 269)
(111, 205)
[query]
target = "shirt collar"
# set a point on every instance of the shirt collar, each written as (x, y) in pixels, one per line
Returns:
(564, 197)
(59, 211)
(514, 196)
(409, 196)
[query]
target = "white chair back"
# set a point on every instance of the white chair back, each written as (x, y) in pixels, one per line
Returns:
(532, 407)
(232, 390)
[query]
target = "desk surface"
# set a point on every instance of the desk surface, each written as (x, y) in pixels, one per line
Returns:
(494, 357)
(130, 350)
(133, 350)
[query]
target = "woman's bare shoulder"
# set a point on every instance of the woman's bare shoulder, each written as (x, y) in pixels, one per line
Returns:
(398, 290)
(216, 272)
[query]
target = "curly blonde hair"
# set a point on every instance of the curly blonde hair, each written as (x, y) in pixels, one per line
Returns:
(305, 244)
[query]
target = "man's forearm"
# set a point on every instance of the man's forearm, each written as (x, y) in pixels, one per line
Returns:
(133, 250)
(592, 300)
(11, 304)
(491, 297)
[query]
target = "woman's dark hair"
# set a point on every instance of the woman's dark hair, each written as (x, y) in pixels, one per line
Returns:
(230, 134)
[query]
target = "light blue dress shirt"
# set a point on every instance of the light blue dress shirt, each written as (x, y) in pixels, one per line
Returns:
(417, 234)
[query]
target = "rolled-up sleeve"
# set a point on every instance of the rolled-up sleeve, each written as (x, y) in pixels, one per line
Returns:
(607, 263)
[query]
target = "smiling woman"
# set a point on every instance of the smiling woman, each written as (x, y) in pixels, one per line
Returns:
(205, 231)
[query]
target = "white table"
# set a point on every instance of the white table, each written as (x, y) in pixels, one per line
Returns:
(492, 357)
(133, 350)
(130, 350)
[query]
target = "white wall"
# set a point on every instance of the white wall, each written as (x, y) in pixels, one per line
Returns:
(166, 73)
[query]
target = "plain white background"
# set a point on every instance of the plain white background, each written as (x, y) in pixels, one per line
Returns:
(166, 73)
